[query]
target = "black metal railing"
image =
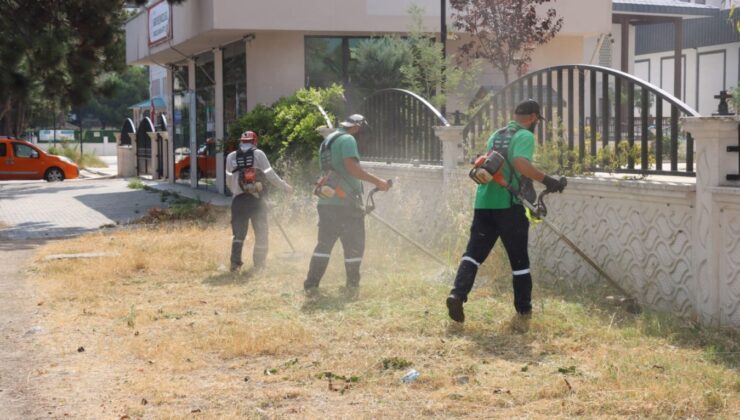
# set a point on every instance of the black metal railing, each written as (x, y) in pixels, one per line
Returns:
(735, 149)
(401, 128)
(590, 108)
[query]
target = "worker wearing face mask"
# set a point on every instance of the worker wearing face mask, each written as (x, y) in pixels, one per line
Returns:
(499, 214)
(247, 169)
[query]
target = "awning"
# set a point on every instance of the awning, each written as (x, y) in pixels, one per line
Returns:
(147, 103)
(663, 8)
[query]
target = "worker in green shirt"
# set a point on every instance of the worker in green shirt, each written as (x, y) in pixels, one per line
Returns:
(341, 215)
(499, 214)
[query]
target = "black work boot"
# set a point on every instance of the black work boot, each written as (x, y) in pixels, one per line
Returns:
(455, 308)
(236, 255)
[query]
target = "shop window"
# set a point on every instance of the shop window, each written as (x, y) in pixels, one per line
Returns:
(326, 60)
(332, 60)
(205, 118)
(181, 121)
(235, 84)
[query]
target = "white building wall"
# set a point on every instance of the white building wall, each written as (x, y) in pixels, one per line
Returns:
(707, 71)
(157, 81)
(275, 66)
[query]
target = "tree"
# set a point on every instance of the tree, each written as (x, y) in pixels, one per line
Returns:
(376, 64)
(122, 90)
(429, 73)
(504, 32)
(54, 54)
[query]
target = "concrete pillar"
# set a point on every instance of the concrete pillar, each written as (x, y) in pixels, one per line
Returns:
(712, 135)
(452, 149)
(218, 66)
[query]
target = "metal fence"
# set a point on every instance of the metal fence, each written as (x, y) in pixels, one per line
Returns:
(735, 149)
(401, 128)
(590, 108)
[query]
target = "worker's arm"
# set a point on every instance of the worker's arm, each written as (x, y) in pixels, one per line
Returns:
(264, 165)
(352, 165)
(525, 167)
(230, 164)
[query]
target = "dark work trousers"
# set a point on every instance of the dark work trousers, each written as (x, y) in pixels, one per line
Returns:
(246, 207)
(512, 226)
(346, 223)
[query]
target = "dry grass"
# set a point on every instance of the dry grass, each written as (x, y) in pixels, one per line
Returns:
(167, 332)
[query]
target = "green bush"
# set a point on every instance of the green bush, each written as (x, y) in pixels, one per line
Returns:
(287, 128)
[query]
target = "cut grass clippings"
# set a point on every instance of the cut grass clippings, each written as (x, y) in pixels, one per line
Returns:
(165, 323)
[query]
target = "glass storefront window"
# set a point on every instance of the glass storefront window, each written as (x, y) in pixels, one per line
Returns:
(332, 60)
(181, 123)
(326, 59)
(205, 121)
(235, 93)
(235, 83)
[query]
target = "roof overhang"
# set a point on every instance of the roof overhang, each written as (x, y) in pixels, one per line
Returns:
(653, 11)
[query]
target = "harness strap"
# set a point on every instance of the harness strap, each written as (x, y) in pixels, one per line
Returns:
(327, 146)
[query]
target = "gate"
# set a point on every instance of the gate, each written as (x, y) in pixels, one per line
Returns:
(144, 146)
(593, 108)
(401, 128)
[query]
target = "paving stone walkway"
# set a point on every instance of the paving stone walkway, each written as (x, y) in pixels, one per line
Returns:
(41, 210)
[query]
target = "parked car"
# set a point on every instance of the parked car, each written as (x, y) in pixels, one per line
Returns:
(206, 162)
(20, 159)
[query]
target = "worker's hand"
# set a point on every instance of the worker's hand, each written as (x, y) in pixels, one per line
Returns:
(382, 185)
(289, 189)
(554, 185)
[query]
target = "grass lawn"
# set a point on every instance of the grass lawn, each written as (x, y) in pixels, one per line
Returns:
(167, 332)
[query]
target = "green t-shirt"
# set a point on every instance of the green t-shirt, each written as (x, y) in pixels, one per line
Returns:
(521, 144)
(344, 146)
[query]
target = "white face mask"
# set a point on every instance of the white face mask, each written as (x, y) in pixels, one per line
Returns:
(244, 146)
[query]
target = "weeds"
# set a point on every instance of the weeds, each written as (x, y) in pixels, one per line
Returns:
(84, 160)
(136, 184)
(198, 341)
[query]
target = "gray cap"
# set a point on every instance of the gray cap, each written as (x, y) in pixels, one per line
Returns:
(354, 120)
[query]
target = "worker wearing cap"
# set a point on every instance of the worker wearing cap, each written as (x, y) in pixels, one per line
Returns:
(341, 216)
(499, 214)
(246, 169)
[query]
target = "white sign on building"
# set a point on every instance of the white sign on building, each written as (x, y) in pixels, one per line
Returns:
(62, 135)
(159, 22)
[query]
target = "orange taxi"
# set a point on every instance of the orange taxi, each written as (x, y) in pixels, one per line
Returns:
(206, 154)
(21, 160)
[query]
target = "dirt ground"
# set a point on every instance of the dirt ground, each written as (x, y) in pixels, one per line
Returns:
(18, 397)
(139, 335)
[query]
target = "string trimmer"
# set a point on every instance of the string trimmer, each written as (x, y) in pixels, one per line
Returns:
(293, 253)
(370, 207)
(492, 165)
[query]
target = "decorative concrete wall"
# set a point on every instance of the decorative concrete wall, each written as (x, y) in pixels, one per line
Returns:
(639, 231)
(674, 243)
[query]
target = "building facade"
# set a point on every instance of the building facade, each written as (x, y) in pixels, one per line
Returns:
(223, 57)
(710, 58)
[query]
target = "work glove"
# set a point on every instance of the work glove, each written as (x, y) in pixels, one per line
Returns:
(554, 185)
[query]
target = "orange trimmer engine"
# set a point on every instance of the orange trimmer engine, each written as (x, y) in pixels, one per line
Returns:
(489, 168)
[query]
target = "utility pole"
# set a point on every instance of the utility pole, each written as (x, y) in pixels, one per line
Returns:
(443, 40)
(54, 129)
(443, 28)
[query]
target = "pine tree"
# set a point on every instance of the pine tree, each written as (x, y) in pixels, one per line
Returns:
(54, 53)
